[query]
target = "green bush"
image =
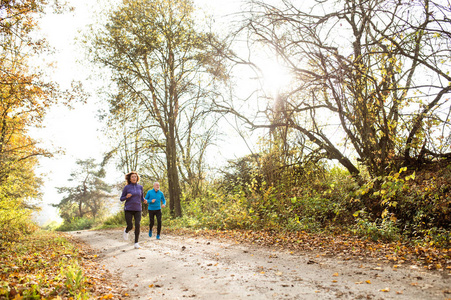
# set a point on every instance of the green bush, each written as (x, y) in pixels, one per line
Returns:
(257, 205)
(76, 224)
(379, 229)
(116, 220)
(216, 211)
(408, 205)
(15, 222)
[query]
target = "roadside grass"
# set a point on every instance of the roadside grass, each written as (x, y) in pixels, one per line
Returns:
(51, 265)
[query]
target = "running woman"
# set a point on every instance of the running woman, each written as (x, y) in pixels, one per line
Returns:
(133, 194)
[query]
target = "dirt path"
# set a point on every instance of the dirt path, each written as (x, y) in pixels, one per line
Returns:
(178, 267)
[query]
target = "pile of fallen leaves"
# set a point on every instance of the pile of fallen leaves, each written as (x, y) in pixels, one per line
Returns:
(345, 246)
(48, 265)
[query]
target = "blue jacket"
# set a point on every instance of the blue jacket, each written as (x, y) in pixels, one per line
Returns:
(158, 196)
(134, 202)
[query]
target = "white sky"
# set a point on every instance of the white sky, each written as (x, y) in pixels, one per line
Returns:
(77, 131)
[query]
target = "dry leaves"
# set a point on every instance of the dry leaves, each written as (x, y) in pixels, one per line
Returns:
(345, 246)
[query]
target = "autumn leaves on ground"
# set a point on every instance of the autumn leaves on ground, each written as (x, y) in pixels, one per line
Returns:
(47, 265)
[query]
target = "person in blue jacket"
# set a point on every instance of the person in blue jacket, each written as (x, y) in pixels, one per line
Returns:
(133, 195)
(156, 201)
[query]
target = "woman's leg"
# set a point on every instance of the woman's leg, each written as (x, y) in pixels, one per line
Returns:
(137, 215)
(128, 219)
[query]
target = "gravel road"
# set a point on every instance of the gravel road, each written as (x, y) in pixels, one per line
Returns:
(180, 267)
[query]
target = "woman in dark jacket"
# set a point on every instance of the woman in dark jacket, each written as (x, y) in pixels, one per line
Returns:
(133, 196)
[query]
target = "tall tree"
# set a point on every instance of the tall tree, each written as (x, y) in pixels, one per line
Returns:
(165, 72)
(25, 98)
(89, 197)
(371, 78)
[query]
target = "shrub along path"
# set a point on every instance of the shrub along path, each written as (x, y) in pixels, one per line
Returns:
(263, 265)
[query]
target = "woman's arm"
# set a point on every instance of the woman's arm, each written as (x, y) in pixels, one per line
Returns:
(124, 194)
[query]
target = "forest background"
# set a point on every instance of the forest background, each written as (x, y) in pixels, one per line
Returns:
(343, 107)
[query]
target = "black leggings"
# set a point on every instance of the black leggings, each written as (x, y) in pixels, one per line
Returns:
(153, 213)
(129, 214)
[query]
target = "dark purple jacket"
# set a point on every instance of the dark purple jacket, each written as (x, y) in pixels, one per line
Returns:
(134, 202)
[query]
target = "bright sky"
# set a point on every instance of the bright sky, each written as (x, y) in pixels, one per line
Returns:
(77, 131)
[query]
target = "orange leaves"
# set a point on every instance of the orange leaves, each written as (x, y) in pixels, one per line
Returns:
(41, 256)
(109, 296)
(366, 281)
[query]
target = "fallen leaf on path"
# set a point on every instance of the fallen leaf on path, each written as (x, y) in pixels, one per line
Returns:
(350, 246)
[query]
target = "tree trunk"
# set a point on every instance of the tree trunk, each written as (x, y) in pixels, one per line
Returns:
(173, 177)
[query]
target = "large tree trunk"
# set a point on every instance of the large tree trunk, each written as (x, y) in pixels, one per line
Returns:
(173, 176)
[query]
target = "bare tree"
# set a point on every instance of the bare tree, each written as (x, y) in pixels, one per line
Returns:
(369, 76)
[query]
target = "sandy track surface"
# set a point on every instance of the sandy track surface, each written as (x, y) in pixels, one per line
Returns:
(178, 267)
